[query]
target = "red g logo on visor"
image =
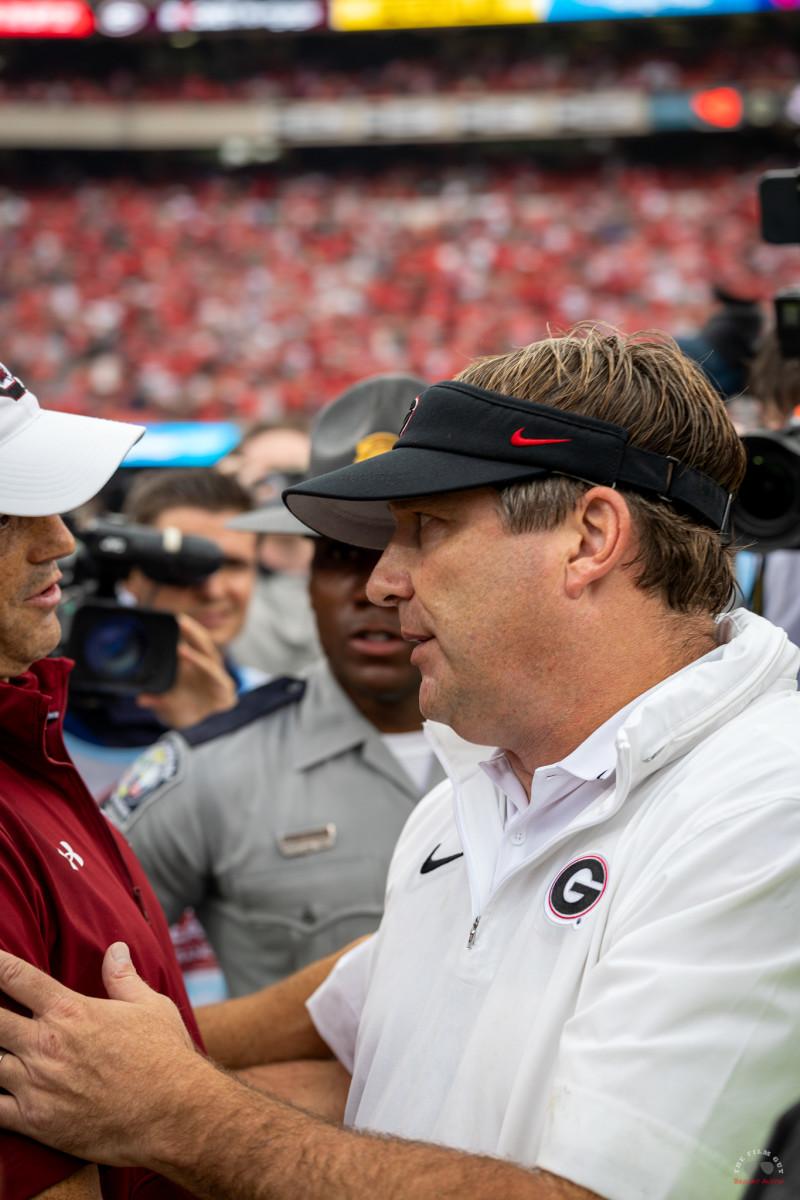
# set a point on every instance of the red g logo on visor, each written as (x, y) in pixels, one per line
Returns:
(409, 415)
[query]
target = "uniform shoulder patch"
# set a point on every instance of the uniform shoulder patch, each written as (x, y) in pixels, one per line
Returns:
(146, 775)
(260, 702)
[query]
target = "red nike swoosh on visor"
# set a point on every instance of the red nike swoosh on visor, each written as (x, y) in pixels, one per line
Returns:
(518, 440)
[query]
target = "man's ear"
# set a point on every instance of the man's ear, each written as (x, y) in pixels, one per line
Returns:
(604, 531)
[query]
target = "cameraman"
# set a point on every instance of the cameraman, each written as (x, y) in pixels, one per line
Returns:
(105, 737)
(771, 582)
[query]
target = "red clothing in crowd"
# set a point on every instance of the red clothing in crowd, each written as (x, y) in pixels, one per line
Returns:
(69, 886)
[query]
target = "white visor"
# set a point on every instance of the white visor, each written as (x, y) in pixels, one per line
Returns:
(52, 462)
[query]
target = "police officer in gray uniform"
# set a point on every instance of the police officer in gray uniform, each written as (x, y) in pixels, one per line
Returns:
(276, 820)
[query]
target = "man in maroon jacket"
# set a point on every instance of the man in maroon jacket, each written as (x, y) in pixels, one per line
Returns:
(68, 883)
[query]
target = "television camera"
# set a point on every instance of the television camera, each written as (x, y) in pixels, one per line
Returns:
(766, 513)
(121, 650)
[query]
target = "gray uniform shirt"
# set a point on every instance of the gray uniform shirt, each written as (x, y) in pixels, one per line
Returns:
(278, 832)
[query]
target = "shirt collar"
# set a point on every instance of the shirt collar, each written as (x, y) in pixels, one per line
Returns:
(594, 759)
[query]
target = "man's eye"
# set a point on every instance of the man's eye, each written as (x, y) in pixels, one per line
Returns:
(422, 519)
(4, 521)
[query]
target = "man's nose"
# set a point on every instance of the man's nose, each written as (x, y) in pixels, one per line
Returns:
(51, 539)
(390, 581)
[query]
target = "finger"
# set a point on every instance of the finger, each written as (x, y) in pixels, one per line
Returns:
(195, 634)
(28, 986)
(10, 1115)
(120, 977)
(208, 664)
(13, 1072)
(15, 1032)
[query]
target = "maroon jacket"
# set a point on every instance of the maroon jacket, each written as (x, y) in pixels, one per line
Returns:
(69, 886)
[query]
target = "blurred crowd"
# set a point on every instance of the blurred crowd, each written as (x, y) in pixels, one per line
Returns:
(594, 68)
(252, 296)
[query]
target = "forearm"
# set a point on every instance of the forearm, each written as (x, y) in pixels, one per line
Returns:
(317, 1086)
(120, 1080)
(262, 1149)
(272, 1025)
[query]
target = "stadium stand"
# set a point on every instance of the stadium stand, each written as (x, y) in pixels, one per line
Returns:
(586, 67)
(248, 295)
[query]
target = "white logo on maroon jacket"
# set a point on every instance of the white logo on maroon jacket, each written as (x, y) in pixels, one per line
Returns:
(71, 856)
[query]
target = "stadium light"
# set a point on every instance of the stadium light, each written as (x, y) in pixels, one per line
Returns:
(722, 107)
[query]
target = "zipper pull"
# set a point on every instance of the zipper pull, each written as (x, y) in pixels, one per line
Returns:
(472, 932)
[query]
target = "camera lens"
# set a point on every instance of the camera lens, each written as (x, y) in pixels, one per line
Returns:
(117, 647)
(767, 507)
(769, 490)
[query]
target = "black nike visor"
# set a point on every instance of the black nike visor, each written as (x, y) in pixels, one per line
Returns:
(457, 437)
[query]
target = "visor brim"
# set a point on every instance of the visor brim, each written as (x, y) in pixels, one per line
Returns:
(60, 461)
(351, 504)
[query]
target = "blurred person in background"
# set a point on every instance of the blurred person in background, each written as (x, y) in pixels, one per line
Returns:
(280, 634)
(268, 456)
(770, 581)
(725, 344)
(105, 735)
(67, 880)
(276, 821)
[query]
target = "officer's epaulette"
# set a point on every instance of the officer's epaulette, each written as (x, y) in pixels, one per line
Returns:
(259, 703)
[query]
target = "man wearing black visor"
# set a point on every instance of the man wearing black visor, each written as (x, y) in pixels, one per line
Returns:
(585, 980)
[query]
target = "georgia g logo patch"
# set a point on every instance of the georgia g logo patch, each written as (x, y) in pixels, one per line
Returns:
(9, 384)
(577, 889)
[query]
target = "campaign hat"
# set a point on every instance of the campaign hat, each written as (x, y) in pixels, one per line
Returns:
(358, 425)
(458, 437)
(52, 462)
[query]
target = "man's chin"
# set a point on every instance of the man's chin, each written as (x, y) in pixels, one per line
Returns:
(433, 705)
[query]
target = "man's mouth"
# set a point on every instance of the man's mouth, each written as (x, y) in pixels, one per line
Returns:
(418, 640)
(410, 635)
(48, 597)
(212, 620)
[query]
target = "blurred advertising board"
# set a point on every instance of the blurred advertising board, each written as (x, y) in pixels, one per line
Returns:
(45, 18)
(352, 15)
(123, 18)
(590, 10)
(357, 15)
(183, 444)
(216, 16)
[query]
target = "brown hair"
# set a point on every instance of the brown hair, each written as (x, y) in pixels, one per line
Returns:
(645, 384)
(173, 487)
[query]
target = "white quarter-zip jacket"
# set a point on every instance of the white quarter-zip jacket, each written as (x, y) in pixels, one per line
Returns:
(621, 1008)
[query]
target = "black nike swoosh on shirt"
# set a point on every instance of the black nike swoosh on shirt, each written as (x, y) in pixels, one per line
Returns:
(432, 863)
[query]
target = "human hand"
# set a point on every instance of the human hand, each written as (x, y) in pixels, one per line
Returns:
(107, 1080)
(202, 685)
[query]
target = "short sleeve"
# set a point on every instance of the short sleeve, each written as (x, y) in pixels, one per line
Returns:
(337, 1004)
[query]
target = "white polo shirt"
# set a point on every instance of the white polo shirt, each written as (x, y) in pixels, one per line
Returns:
(620, 1006)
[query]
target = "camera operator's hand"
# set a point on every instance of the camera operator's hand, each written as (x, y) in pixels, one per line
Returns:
(203, 685)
